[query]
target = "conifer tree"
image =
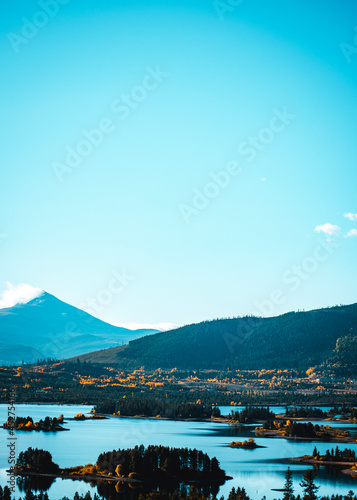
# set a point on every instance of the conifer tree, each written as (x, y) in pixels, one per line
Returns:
(288, 487)
(308, 485)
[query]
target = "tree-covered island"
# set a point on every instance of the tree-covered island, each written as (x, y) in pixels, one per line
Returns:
(81, 417)
(249, 444)
(335, 457)
(27, 424)
(290, 429)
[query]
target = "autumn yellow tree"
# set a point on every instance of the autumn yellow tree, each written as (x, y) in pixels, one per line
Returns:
(119, 470)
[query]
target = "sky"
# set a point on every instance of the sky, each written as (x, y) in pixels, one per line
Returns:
(172, 162)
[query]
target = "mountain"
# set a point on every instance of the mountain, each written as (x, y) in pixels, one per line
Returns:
(47, 327)
(293, 340)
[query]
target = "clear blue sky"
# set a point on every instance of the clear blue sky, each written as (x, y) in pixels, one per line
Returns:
(181, 89)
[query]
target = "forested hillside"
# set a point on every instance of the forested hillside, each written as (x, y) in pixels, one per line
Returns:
(293, 340)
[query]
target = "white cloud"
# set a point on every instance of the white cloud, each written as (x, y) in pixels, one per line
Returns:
(351, 216)
(327, 228)
(150, 326)
(353, 232)
(18, 294)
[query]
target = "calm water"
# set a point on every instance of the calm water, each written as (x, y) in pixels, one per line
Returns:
(256, 469)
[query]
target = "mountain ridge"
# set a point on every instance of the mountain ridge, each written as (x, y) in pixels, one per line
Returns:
(49, 327)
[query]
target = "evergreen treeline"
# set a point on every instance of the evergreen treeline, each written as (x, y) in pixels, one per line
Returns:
(305, 412)
(161, 462)
(251, 414)
(154, 407)
(299, 429)
(336, 455)
(294, 429)
(5, 494)
(344, 358)
(36, 460)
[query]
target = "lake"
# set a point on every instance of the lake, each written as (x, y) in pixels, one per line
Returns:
(257, 470)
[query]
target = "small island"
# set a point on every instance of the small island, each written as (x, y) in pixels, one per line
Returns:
(80, 416)
(27, 424)
(249, 444)
(300, 430)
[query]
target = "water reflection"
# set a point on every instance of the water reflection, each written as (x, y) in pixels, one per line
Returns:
(123, 491)
(34, 483)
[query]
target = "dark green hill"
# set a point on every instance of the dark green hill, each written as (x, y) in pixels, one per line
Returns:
(293, 340)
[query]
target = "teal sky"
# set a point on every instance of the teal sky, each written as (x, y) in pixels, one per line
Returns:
(182, 90)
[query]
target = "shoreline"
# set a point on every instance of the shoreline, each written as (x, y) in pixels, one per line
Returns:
(271, 434)
(312, 461)
(222, 419)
